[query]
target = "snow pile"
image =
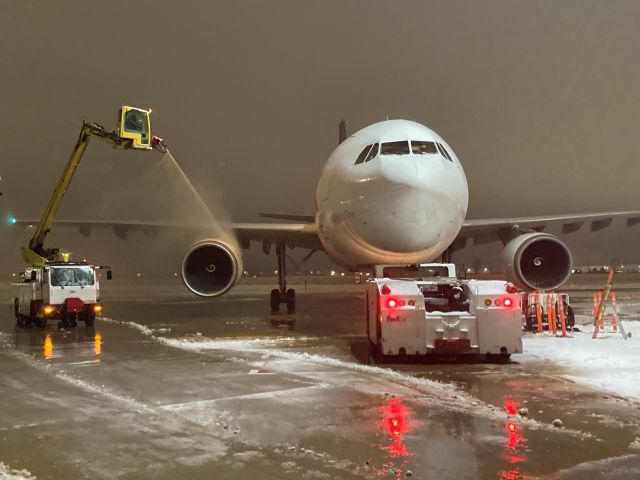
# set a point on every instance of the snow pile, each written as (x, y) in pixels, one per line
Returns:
(608, 362)
(7, 473)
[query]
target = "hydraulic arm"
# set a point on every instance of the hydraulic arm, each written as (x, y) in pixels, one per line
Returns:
(133, 132)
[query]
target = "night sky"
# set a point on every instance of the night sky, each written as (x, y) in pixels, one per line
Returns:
(539, 99)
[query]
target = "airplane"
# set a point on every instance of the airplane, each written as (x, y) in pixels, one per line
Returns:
(393, 192)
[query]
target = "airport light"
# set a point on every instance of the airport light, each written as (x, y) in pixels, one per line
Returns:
(12, 220)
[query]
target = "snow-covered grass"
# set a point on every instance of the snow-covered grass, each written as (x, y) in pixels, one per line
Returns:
(608, 362)
(8, 473)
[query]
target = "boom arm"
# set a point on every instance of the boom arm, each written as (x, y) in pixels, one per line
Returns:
(129, 135)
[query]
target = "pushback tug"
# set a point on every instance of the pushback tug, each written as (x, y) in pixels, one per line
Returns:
(414, 311)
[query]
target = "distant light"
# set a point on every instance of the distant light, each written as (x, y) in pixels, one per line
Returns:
(485, 269)
(12, 220)
(139, 274)
(175, 274)
(512, 427)
(333, 273)
(342, 274)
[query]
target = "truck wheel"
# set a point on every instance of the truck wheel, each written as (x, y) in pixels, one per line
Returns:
(19, 318)
(33, 318)
(89, 320)
(38, 322)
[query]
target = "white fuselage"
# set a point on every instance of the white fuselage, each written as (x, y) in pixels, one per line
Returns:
(405, 204)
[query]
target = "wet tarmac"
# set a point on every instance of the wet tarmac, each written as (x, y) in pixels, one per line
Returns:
(170, 386)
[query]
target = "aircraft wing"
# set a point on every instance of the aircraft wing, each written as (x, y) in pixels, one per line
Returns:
(304, 235)
(490, 230)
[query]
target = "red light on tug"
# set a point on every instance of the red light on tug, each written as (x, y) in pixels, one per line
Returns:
(392, 303)
(507, 302)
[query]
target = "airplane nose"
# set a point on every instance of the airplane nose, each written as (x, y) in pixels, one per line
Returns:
(414, 210)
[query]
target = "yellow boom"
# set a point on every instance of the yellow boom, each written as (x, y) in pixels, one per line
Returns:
(132, 132)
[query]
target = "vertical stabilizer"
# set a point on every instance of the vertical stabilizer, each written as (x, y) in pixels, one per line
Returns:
(342, 132)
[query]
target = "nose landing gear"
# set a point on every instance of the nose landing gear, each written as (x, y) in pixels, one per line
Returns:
(282, 295)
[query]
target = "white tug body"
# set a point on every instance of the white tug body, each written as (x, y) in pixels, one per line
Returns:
(413, 311)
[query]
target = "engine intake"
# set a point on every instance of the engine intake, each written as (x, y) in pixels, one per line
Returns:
(537, 261)
(210, 268)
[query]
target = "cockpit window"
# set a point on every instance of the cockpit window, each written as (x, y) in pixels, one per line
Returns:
(373, 153)
(363, 155)
(444, 152)
(423, 148)
(395, 148)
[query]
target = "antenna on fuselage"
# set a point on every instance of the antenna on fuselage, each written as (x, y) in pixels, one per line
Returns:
(342, 132)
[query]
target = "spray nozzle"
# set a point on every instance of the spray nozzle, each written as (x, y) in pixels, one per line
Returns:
(159, 144)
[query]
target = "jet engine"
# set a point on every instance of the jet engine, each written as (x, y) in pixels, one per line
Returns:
(537, 261)
(211, 267)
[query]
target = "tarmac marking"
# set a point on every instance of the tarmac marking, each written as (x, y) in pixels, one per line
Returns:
(249, 396)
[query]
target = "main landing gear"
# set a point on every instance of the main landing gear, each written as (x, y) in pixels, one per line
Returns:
(282, 295)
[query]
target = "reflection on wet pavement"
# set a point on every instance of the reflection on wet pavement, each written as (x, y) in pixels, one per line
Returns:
(396, 421)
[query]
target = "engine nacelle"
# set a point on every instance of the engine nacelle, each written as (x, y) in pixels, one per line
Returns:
(537, 261)
(210, 268)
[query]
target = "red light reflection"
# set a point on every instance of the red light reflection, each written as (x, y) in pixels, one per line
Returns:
(396, 421)
(515, 445)
(511, 406)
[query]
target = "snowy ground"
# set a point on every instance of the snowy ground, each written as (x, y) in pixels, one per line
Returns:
(7, 473)
(608, 362)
